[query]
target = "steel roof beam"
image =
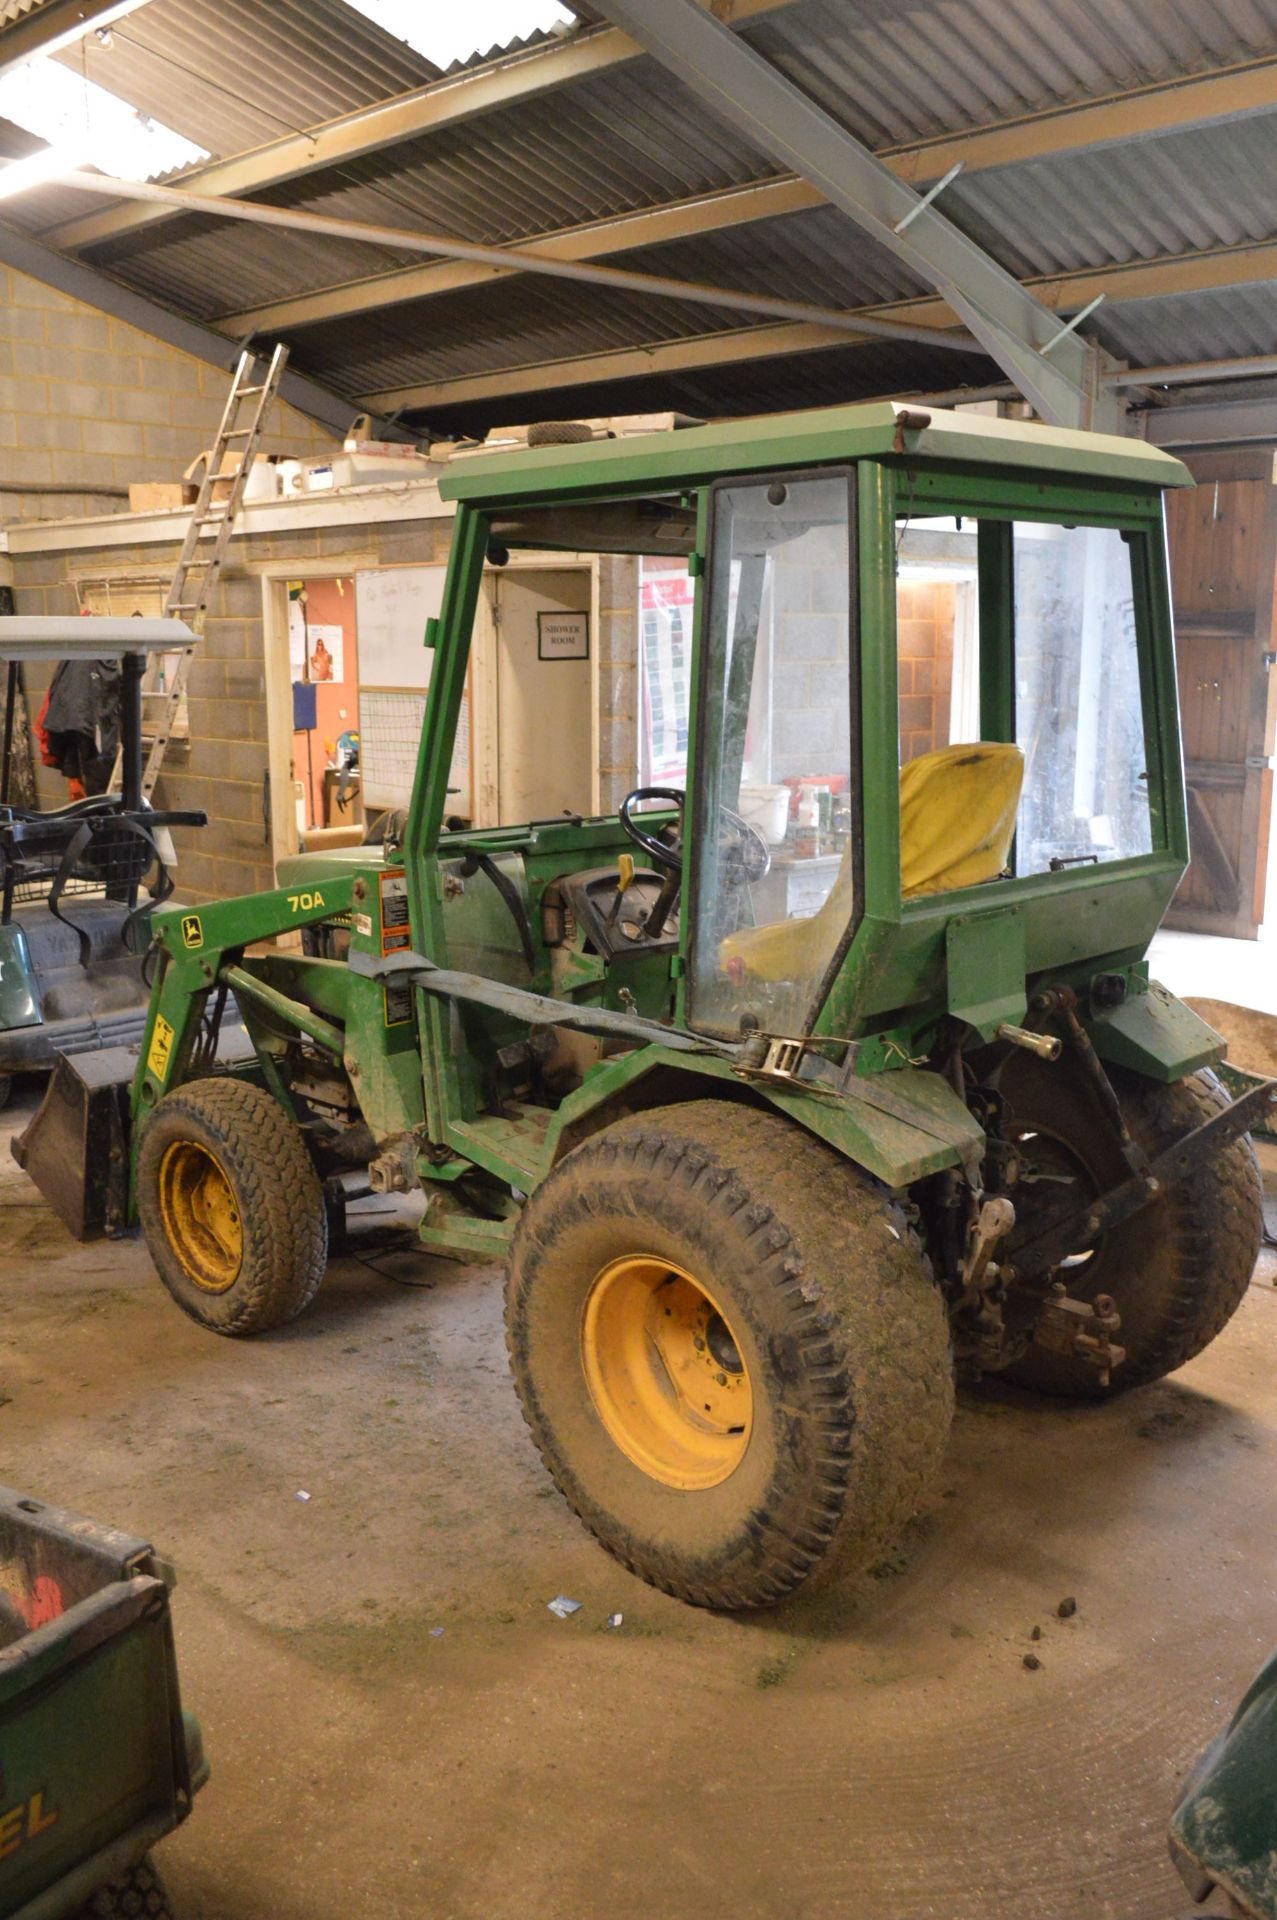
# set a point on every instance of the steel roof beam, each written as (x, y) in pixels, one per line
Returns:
(1061, 294)
(527, 75)
(1220, 423)
(409, 240)
(1140, 113)
(741, 87)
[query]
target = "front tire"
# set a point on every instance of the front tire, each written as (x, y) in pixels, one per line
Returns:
(729, 1352)
(1179, 1269)
(231, 1206)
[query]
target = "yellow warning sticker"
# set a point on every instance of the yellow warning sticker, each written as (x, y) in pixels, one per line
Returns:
(192, 931)
(161, 1047)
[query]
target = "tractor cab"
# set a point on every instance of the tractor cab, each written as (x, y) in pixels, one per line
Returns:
(953, 818)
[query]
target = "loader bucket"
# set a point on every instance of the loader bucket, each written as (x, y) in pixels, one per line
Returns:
(76, 1146)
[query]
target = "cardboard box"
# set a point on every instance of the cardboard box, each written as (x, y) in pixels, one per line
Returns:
(159, 496)
(225, 474)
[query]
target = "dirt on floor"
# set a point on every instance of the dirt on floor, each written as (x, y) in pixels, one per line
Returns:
(399, 1727)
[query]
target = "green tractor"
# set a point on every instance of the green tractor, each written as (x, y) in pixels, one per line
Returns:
(775, 1126)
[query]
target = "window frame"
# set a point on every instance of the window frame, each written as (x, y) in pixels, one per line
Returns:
(1141, 526)
(705, 726)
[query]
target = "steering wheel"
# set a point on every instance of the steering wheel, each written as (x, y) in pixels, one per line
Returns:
(668, 855)
(755, 849)
(754, 853)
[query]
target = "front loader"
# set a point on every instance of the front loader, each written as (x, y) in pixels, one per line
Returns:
(775, 1128)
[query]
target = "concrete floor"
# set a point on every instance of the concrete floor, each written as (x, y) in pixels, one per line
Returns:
(881, 1754)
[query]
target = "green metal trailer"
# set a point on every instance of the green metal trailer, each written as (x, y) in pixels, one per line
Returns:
(98, 1761)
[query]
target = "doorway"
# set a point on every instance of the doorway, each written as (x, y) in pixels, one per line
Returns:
(323, 651)
(544, 692)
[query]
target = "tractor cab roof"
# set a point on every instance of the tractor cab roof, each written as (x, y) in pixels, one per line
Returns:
(694, 455)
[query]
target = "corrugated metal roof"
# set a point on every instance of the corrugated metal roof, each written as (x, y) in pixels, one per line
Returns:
(828, 378)
(466, 333)
(237, 74)
(897, 70)
(1213, 186)
(631, 137)
(1224, 325)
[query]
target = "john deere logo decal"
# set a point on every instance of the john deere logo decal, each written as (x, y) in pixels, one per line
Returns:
(192, 931)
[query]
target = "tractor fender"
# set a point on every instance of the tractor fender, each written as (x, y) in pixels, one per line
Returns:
(921, 1127)
(1155, 1034)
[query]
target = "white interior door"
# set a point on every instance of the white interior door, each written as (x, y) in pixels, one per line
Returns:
(544, 693)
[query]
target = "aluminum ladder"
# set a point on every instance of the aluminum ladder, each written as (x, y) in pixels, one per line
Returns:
(204, 548)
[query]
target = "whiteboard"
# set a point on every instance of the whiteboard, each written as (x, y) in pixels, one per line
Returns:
(392, 605)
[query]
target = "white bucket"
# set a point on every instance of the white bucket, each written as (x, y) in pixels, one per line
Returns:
(766, 808)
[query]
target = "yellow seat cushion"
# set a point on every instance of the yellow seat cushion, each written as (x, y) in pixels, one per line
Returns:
(957, 816)
(958, 810)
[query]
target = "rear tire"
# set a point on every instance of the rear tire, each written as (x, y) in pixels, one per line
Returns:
(795, 1417)
(1179, 1269)
(231, 1206)
(137, 1895)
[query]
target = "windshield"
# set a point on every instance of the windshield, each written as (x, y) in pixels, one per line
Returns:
(773, 884)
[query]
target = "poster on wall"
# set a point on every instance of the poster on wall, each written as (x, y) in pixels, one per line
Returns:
(665, 666)
(326, 652)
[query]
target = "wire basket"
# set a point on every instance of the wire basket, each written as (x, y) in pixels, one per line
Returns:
(111, 862)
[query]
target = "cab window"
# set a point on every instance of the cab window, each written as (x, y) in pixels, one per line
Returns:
(1018, 641)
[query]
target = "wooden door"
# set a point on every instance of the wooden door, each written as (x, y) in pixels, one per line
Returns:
(1223, 549)
(545, 697)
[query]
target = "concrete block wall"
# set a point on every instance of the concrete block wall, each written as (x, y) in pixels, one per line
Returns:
(88, 401)
(223, 769)
(924, 639)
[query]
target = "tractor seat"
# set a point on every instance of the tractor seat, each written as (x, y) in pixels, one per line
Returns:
(958, 810)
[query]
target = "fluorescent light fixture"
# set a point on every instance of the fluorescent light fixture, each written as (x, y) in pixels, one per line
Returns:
(83, 123)
(37, 169)
(444, 34)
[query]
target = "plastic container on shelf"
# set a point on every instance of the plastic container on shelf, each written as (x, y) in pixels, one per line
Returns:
(766, 808)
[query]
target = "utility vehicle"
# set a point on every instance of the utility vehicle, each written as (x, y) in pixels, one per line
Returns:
(74, 912)
(771, 1136)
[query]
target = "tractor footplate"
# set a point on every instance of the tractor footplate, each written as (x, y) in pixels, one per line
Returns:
(1081, 1331)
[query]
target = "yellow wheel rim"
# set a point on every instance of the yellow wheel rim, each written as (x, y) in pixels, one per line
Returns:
(200, 1215)
(665, 1372)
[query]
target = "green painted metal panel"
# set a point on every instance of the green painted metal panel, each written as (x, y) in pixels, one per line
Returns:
(1155, 1034)
(931, 1129)
(1226, 1823)
(984, 966)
